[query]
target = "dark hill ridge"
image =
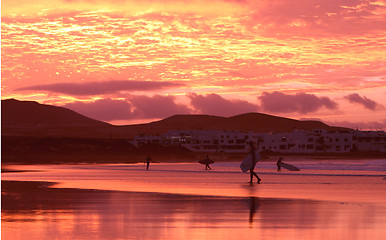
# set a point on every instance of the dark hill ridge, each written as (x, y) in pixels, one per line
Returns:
(257, 122)
(26, 118)
(188, 122)
(14, 112)
(269, 123)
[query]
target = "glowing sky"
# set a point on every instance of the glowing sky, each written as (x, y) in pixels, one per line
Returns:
(131, 61)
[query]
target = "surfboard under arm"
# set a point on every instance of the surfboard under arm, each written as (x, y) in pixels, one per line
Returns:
(247, 163)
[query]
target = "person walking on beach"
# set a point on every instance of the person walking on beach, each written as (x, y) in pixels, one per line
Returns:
(254, 161)
(278, 164)
(147, 161)
(207, 162)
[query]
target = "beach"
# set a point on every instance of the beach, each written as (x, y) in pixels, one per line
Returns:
(331, 199)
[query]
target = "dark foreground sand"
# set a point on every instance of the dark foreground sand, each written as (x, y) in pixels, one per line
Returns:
(36, 210)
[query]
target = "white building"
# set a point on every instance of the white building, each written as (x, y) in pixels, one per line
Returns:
(202, 140)
(298, 141)
(370, 141)
(301, 141)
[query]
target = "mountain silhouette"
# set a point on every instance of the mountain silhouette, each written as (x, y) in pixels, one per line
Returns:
(256, 122)
(33, 119)
(15, 112)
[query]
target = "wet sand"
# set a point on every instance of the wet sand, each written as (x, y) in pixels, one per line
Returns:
(186, 202)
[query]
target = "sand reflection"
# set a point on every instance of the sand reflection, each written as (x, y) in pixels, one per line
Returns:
(34, 211)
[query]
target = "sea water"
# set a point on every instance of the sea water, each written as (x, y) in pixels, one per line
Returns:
(326, 199)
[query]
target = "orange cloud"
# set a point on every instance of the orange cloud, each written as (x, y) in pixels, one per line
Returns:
(321, 18)
(233, 49)
(36, 7)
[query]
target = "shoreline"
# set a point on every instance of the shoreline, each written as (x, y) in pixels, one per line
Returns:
(58, 160)
(30, 186)
(226, 179)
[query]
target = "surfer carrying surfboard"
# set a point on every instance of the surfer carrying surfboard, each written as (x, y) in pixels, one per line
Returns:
(147, 161)
(207, 162)
(278, 164)
(254, 161)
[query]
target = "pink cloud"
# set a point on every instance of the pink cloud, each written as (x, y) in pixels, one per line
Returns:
(157, 106)
(364, 101)
(97, 88)
(103, 109)
(278, 102)
(214, 104)
(135, 107)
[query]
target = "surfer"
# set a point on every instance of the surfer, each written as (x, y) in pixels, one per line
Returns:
(207, 162)
(147, 161)
(278, 164)
(251, 170)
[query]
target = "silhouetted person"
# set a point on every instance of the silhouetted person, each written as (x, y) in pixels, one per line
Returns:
(207, 162)
(254, 161)
(147, 161)
(278, 164)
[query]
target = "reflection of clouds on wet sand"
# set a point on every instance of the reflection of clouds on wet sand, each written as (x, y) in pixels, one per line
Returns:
(30, 209)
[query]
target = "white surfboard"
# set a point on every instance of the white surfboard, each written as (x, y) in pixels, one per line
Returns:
(247, 163)
(289, 167)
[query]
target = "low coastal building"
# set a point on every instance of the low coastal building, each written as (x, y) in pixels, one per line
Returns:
(201, 140)
(297, 141)
(300, 141)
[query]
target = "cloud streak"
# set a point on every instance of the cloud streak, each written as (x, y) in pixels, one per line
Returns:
(98, 88)
(278, 102)
(364, 101)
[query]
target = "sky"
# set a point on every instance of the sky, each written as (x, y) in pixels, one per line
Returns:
(136, 61)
